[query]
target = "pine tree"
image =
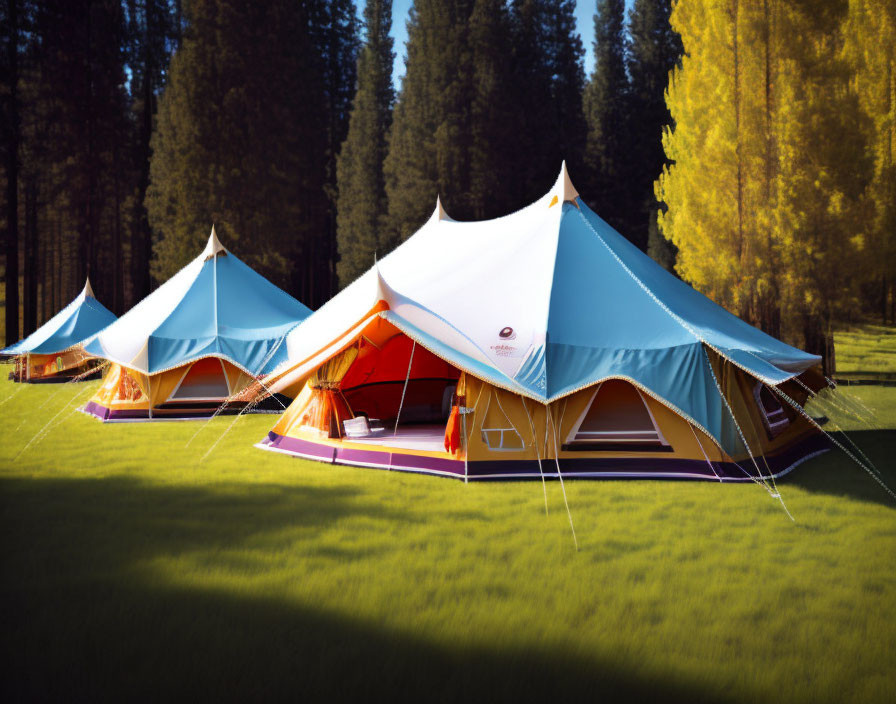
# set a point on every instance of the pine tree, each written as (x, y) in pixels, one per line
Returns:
(654, 49)
(548, 84)
(493, 146)
(429, 148)
(241, 142)
(333, 29)
(153, 32)
(608, 114)
(11, 125)
(76, 135)
(361, 203)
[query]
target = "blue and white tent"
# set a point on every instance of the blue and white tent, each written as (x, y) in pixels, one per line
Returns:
(548, 302)
(52, 348)
(216, 307)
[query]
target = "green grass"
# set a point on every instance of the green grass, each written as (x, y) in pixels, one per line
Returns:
(866, 349)
(134, 570)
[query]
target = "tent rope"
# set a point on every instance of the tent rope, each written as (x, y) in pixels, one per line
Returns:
(838, 427)
(840, 445)
(773, 494)
(404, 388)
(537, 454)
(700, 444)
(560, 476)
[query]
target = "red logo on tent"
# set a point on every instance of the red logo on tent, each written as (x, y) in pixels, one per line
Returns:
(507, 334)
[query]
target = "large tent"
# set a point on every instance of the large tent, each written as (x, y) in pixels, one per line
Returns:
(539, 343)
(53, 352)
(201, 338)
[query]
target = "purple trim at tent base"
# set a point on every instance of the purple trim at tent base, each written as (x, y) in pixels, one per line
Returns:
(158, 413)
(585, 467)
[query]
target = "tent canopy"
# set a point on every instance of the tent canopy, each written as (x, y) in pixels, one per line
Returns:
(544, 302)
(82, 318)
(216, 306)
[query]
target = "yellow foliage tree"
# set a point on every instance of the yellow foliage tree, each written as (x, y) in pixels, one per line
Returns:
(768, 164)
(870, 48)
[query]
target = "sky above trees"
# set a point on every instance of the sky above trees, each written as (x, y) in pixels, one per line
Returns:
(400, 9)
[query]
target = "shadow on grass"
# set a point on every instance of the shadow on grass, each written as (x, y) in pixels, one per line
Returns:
(834, 473)
(83, 622)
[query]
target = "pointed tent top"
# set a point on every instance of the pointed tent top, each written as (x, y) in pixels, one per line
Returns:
(439, 213)
(88, 289)
(563, 189)
(213, 246)
(384, 291)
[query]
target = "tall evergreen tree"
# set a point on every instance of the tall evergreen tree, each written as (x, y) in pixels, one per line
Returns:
(76, 132)
(333, 29)
(493, 147)
(654, 49)
(459, 126)
(608, 114)
(154, 31)
(429, 146)
(11, 128)
(361, 203)
(241, 141)
(548, 81)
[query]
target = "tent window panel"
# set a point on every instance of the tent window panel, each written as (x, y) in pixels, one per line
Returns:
(502, 439)
(617, 420)
(205, 380)
(497, 430)
(773, 416)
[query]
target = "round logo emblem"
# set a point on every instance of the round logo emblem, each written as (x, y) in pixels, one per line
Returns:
(507, 334)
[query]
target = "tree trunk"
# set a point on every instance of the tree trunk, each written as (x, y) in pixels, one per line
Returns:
(742, 253)
(818, 339)
(12, 180)
(29, 289)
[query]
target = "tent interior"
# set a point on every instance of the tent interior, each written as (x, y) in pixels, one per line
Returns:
(398, 393)
(385, 401)
(195, 389)
(55, 368)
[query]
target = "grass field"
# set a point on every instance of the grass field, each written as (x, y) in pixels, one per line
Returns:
(866, 349)
(132, 569)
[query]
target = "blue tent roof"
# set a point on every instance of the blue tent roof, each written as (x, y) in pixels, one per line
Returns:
(550, 300)
(215, 306)
(82, 318)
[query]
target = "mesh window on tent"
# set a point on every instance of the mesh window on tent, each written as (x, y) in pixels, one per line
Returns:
(772, 412)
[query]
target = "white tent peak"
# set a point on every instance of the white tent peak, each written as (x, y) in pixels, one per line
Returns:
(563, 188)
(88, 289)
(439, 213)
(384, 291)
(213, 246)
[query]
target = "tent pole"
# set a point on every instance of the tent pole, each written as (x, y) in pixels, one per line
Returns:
(405, 388)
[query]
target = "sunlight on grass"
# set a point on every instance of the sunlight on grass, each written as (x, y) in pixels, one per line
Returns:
(252, 566)
(866, 348)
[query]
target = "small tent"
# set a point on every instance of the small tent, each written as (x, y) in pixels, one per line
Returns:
(541, 343)
(201, 338)
(53, 352)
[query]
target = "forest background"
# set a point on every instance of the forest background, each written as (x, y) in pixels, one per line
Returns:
(749, 146)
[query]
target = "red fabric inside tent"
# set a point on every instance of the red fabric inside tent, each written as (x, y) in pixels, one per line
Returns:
(374, 383)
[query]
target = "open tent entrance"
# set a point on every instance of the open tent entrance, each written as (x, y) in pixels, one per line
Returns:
(383, 390)
(204, 380)
(617, 418)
